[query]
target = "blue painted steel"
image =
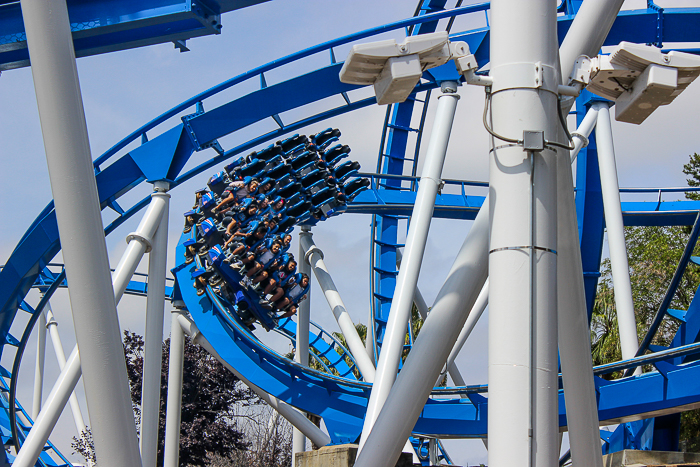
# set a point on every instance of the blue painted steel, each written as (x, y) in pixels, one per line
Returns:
(673, 286)
(101, 27)
(589, 208)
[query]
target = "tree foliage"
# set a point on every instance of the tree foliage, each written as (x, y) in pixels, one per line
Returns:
(210, 396)
(654, 253)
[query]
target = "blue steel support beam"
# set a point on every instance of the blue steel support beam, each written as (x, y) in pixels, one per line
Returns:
(589, 209)
(101, 27)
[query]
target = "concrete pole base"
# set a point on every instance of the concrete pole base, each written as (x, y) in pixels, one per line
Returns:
(342, 455)
(630, 457)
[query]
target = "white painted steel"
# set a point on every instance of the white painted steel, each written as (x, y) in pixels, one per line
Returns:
(421, 216)
(430, 350)
(587, 32)
(52, 326)
(314, 256)
(39, 365)
(301, 355)
(474, 314)
(292, 415)
(138, 243)
(47, 418)
(153, 335)
(574, 333)
(585, 37)
(171, 451)
(79, 220)
(616, 234)
(580, 136)
(523, 415)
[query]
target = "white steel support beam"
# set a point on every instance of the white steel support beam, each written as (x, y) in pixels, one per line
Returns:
(44, 423)
(173, 413)
(39, 365)
(407, 279)
(314, 256)
(616, 234)
(301, 355)
(292, 415)
(430, 350)
(52, 326)
(153, 339)
(79, 220)
(155, 211)
(523, 415)
(583, 131)
(585, 37)
(138, 243)
(477, 310)
(587, 32)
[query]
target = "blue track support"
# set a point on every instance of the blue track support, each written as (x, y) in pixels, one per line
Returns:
(589, 210)
(99, 27)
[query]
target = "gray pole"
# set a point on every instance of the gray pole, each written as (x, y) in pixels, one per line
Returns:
(80, 226)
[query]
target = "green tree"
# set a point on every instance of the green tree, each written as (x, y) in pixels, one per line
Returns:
(654, 253)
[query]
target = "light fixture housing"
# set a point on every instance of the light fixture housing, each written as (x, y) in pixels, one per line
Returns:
(638, 78)
(395, 69)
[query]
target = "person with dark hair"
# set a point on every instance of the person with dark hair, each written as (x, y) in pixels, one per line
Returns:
(294, 291)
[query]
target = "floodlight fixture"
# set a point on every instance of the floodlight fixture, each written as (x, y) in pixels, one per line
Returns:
(638, 78)
(395, 69)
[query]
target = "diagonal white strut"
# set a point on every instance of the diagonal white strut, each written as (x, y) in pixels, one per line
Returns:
(45, 422)
(407, 279)
(616, 234)
(314, 257)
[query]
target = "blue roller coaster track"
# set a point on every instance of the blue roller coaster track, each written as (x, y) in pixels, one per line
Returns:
(337, 395)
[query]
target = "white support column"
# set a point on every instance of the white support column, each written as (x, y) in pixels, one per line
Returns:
(474, 314)
(292, 415)
(314, 256)
(406, 281)
(39, 365)
(585, 37)
(616, 235)
(171, 455)
(437, 337)
(153, 339)
(523, 415)
(301, 355)
(583, 131)
(138, 243)
(52, 326)
(47, 418)
(81, 232)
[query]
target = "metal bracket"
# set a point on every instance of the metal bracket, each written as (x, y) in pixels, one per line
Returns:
(139, 238)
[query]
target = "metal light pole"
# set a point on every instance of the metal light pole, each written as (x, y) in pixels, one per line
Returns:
(523, 423)
(81, 233)
(422, 215)
(153, 339)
